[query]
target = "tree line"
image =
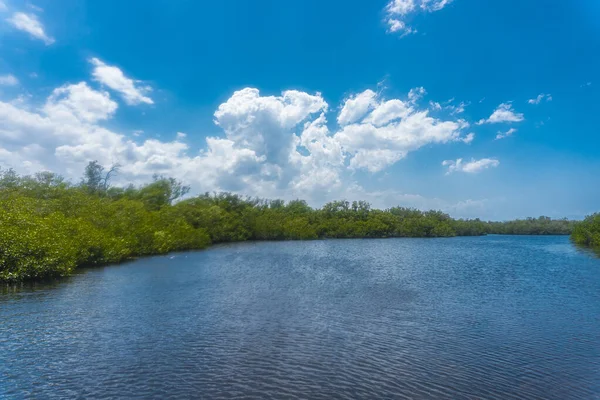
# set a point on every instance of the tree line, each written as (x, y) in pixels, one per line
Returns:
(49, 226)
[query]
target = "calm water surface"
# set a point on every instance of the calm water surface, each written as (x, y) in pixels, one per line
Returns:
(468, 318)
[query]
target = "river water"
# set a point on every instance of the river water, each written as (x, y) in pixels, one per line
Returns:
(497, 317)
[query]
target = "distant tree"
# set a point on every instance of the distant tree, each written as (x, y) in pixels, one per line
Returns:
(47, 178)
(95, 179)
(9, 179)
(161, 192)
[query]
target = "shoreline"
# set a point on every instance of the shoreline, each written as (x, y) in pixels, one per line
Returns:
(46, 280)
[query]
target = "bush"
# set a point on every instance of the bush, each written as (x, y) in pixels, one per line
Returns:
(587, 232)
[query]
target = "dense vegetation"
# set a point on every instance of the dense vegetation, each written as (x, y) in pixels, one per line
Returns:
(532, 226)
(587, 232)
(49, 226)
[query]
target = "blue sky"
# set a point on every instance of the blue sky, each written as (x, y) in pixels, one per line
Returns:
(479, 108)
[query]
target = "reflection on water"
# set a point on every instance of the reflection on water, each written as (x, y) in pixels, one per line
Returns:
(495, 317)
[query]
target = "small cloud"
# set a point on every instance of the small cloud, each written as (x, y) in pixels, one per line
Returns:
(458, 109)
(471, 167)
(540, 98)
(398, 11)
(33, 75)
(29, 23)
(8, 80)
(447, 105)
(587, 84)
(115, 79)
(468, 139)
(181, 135)
(435, 105)
(137, 132)
(416, 94)
(395, 25)
(502, 135)
(3, 6)
(504, 113)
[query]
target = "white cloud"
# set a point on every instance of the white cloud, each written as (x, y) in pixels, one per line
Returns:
(387, 130)
(266, 124)
(3, 6)
(271, 146)
(434, 5)
(356, 107)
(399, 11)
(396, 25)
(181, 135)
(259, 154)
(8, 80)
(30, 23)
(471, 167)
(114, 78)
(504, 113)
(266, 127)
(508, 133)
(401, 7)
(79, 102)
(540, 98)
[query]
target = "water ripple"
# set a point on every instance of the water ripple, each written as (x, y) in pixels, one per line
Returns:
(465, 318)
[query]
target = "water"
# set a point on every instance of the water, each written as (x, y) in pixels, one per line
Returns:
(467, 318)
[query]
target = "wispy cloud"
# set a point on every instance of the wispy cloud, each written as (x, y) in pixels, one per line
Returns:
(449, 106)
(471, 167)
(399, 11)
(502, 135)
(540, 98)
(468, 139)
(504, 113)
(31, 24)
(35, 8)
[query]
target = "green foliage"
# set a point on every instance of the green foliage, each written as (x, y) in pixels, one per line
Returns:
(533, 226)
(587, 232)
(49, 227)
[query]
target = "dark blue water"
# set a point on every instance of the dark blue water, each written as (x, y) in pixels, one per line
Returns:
(468, 318)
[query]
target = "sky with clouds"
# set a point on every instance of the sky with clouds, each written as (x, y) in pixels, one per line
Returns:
(480, 109)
